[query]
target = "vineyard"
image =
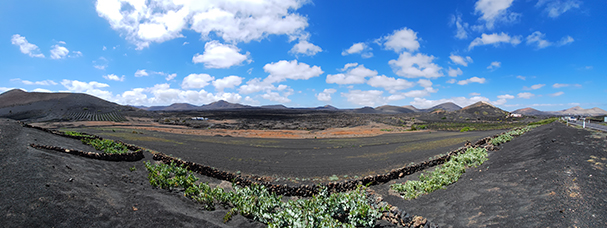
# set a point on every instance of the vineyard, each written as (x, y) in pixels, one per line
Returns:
(95, 116)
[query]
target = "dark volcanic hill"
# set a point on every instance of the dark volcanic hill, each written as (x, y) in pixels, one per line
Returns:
(173, 107)
(389, 109)
(34, 106)
(579, 111)
(531, 112)
(222, 105)
(449, 107)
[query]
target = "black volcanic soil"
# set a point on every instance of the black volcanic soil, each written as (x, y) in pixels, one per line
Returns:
(42, 188)
(553, 176)
(299, 158)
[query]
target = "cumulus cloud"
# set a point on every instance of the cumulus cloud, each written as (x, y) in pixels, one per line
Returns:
(534, 87)
(113, 77)
(366, 98)
(196, 81)
(475, 94)
(325, 95)
(169, 77)
(42, 83)
(227, 82)
(92, 88)
(525, 95)
(163, 94)
(415, 66)
(390, 84)
(305, 48)
(495, 39)
(454, 72)
(361, 48)
(26, 48)
(283, 70)
(144, 22)
(493, 11)
(451, 81)
(460, 26)
(75, 54)
(556, 94)
(505, 96)
(404, 38)
(565, 40)
(555, 8)
(521, 77)
(58, 52)
(348, 66)
(537, 38)
(494, 65)
(218, 55)
(355, 75)
(472, 80)
(456, 59)
(141, 73)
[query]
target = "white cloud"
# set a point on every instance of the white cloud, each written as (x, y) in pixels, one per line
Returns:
(415, 66)
(283, 70)
(348, 66)
(227, 82)
(556, 94)
(196, 81)
(454, 72)
(75, 54)
(559, 85)
(26, 82)
(59, 52)
(460, 26)
(475, 94)
(451, 81)
(494, 39)
(101, 63)
(255, 85)
(494, 65)
(390, 84)
(113, 77)
(525, 95)
(169, 77)
(40, 90)
(534, 87)
(565, 40)
(537, 38)
(305, 48)
(404, 38)
(494, 11)
(362, 48)
(141, 73)
(420, 93)
(472, 80)
(521, 77)
(92, 88)
(365, 98)
(164, 95)
(555, 8)
(356, 75)
(275, 96)
(456, 59)
(218, 55)
(144, 22)
(505, 96)
(26, 48)
(325, 95)
(461, 101)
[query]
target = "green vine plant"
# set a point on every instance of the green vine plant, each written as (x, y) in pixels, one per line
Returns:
(350, 209)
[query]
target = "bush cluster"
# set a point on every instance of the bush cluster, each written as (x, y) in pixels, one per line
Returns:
(350, 209)
(106, 145)
(544, 121)
(442, 176)
(73, 133)
(506, 137)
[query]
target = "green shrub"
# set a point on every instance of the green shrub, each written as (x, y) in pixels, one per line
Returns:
(442, 176)
(544, 121)
(73, 133)
(106, 145)
(323, 210)
(465, 129)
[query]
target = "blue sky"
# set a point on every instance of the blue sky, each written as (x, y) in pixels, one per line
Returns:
(546, 54)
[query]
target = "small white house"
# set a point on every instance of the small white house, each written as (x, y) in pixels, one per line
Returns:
(199, 118)
(516, 115)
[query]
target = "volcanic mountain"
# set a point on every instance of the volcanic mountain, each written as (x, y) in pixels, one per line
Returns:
(579, 111)
(34, 106)
(531, 112)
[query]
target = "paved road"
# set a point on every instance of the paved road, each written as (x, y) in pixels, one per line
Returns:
(590, 125)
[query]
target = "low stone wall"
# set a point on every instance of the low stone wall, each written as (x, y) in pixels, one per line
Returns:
(133, 156)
